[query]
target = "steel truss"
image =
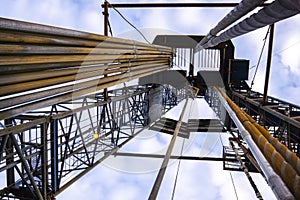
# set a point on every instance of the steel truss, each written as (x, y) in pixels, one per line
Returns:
(280, 118)
(45, 151)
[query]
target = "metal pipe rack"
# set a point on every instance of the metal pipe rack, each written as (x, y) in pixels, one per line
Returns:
(44, 65)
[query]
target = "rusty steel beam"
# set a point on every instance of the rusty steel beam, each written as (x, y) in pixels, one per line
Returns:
(106, 14)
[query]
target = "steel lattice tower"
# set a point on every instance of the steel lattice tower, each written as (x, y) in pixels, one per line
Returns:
(65, 107)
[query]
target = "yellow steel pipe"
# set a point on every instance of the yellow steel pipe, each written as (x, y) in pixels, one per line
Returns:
(274, 180)
(288, 155)
(279, 164)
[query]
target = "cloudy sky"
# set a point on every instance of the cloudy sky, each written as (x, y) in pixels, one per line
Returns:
(86, 15)
(208, 180)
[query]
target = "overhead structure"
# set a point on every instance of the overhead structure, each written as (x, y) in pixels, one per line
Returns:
(65, 102)
(235, 14)
(286, 169)
(276, 11)
(53, 108)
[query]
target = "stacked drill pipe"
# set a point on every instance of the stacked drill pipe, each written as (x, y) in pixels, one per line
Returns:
(282, 166)
(43, 65)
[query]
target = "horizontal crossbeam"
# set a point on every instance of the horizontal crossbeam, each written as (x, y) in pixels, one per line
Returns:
(142, 155)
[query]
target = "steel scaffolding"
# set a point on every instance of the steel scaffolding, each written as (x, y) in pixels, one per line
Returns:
(65, 107)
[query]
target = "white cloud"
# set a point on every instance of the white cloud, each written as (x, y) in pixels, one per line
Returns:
(285, 66)
(104, 183)
(80, 15)
(288, 43)
(2, 177)
(197, 179)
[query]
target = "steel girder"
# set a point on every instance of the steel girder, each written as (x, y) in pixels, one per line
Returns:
(45, 151)
(279, 117)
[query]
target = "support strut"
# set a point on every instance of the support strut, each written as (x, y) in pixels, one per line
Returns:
(164, 165)
(269, 60)
(245, 169)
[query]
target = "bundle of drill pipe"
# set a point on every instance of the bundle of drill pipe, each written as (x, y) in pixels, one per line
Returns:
(43, 65)
(284, 162)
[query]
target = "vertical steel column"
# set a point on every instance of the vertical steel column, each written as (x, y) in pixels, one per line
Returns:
(26, 167)
(10, 173)
(54, 154)
(44, 160)
(164, 165)
(191, 70)
(105, 13)
(269, 60)
(105, 91)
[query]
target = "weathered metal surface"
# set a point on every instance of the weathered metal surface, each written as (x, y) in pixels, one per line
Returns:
(43, 65)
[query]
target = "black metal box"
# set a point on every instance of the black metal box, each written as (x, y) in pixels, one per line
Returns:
(238, 70)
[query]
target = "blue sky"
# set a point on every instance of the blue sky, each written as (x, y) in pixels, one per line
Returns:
(86, 15)
(106, 182)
